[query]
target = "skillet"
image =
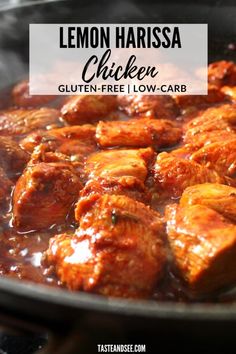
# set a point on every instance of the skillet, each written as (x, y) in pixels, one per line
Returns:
(31, 306)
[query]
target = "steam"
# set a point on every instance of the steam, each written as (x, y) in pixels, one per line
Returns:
(14, 29)
(14, 24)
(14, 39)
(12, 65)
(12, 68)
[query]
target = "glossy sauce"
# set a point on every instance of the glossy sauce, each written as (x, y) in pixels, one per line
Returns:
(21, 254)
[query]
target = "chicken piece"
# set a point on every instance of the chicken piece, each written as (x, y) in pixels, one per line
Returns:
(41, 154)
(44, 194)
(22, 98)
(219, 156)
(149, 105)
(205, 138)
(184, 151)
(119, 163)
(126, 185)
(117, 250)
(5, 187)
(173, 174)
(203, 244)
(85, 109)
(31, 140)
(216, 118)
(219, 197)
(229, 92)
(12, 158)
(222, 73)
(225, 113)
(215, 95)
(76, 141)
(138, 133)
(23, 121)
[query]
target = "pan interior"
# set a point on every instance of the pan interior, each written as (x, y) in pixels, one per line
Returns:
(14, 27)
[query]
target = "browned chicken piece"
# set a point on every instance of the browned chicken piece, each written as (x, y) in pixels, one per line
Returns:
(219, 156)
(5, 186)
(76, 141)
(44, 194)
(86, 109)
(126, 185)
(117, 250)
(23, 121)
(119, 163)
(222, 73)
(219, 197)
(31, 140)
(215, 95)
(12, 158)
(205, 138)
(216, 118)
(173, 174)
(224, 113)
(229, 92)
(22, 98)
(42, 154)
(185, 151)
(149, 105)
(203, 243)
(138, 133)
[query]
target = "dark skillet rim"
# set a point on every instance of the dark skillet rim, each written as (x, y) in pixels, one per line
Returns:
(7, 7)
(34, 3)
(90, 302)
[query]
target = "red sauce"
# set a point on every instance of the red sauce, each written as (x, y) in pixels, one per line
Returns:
(21, 254)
